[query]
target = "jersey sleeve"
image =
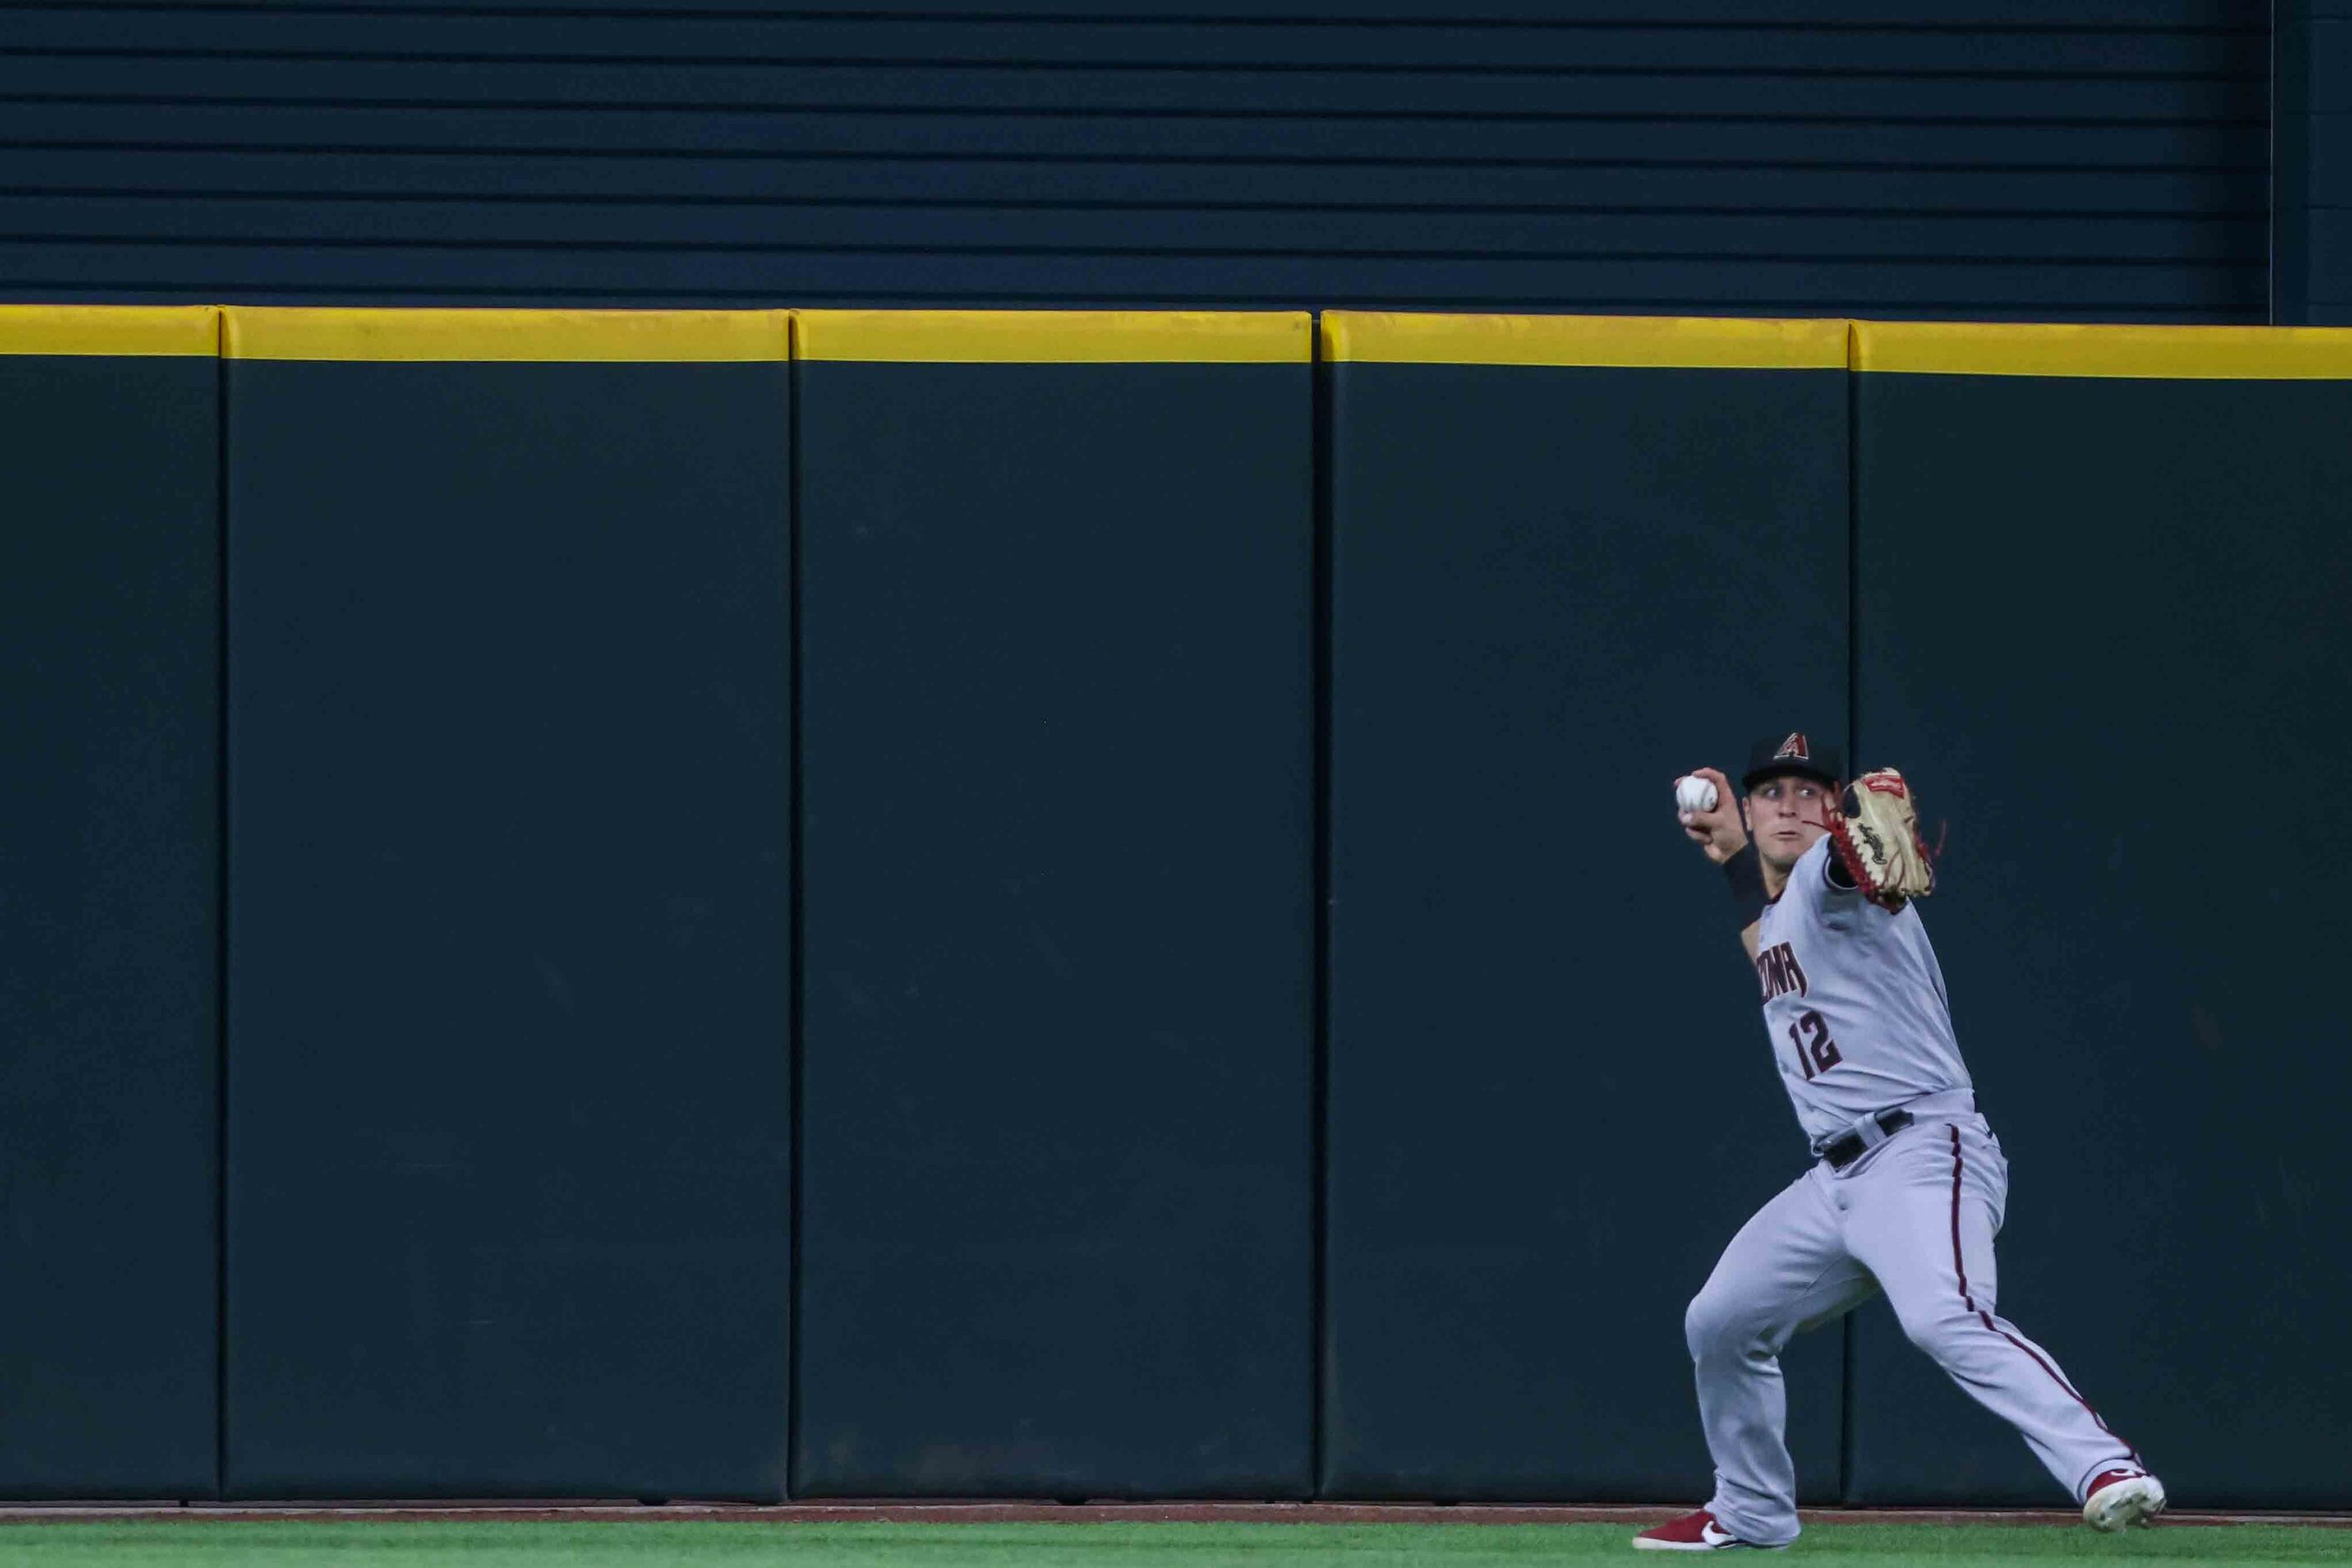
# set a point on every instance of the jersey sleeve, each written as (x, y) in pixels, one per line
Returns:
(1820, 899)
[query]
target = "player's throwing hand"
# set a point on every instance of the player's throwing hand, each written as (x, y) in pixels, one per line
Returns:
(1715, 828)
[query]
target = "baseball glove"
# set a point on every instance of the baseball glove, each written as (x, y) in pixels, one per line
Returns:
(1875, 831)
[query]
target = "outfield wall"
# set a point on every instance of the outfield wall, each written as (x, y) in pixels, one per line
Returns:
(510, 664)
(1565, 568)
(1057, 1039)
(109, 901)
(834, 904)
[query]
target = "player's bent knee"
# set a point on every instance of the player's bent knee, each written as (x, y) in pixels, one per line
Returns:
(1698, 1324)
(1716, 1324)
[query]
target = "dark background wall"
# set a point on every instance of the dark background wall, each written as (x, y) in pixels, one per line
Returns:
(2153, 161)
(2011, 159)
(110, 904)
(1548, 586)
(2314, 49)
(510, 948)
(1076, 1189)
(1057, 1045)
(2134, 1037)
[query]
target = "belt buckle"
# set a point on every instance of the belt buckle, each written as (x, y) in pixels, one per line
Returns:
(1854, 1142)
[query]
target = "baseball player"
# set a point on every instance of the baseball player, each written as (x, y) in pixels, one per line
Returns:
(1907, 1186)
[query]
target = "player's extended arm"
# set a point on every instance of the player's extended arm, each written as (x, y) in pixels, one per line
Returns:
(1722, 837)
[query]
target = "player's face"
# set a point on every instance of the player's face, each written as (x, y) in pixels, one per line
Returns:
(1785, 815)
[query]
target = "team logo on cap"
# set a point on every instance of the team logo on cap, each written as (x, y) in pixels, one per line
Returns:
(1794, 748)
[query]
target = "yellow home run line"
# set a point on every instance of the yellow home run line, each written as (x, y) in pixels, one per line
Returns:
(1054, 337)
(1209, 337)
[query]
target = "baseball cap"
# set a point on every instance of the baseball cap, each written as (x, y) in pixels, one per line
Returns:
(1795, 753)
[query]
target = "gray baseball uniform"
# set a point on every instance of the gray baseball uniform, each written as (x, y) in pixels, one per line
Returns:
(1854, 1002)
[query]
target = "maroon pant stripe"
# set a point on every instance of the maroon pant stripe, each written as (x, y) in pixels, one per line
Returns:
(1961, 1271)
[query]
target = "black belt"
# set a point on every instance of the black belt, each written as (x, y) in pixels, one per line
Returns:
(1843, 1152)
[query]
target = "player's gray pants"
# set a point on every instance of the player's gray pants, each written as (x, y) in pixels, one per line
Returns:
(1916, 1217)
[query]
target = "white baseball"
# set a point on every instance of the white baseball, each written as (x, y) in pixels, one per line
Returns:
(1694, 793)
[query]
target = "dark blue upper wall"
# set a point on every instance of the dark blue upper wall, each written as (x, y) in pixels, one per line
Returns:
(2053, 159)
(2324, 188)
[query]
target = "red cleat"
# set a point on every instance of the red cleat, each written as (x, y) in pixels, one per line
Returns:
(1692, 1532)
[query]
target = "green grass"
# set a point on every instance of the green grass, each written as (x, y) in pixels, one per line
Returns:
(359, 1544)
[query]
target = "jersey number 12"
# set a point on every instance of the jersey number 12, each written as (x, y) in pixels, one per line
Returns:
(1818, 1053)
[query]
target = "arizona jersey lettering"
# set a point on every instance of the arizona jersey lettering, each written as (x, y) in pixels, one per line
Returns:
(1853, 1001)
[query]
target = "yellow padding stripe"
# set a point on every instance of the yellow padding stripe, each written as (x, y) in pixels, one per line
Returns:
(1054, 337)
(2151, 354)
(1700, 342)
(698, 336)
(186, 330)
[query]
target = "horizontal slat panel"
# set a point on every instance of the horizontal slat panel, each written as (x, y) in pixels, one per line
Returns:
(1926, 191)
(2121, 241)
(2331, 65)
(1338, 152)
(2331, 160)
(1756, 142)
(1032, 44)
(1306, 278)
(2331, 255)
(2123, 14)
(2251, 310)
(801, 90)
